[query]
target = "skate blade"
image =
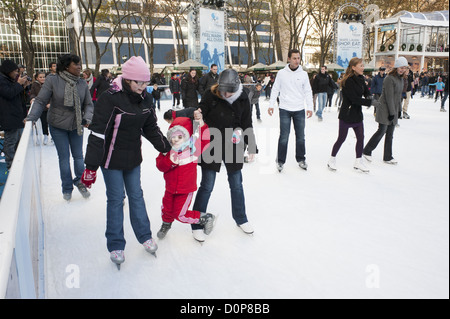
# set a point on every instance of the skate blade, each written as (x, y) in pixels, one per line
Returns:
(118, 266)
(361, 171)
(332, 169)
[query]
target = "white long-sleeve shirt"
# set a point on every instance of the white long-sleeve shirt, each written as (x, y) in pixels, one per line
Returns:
(294, 89)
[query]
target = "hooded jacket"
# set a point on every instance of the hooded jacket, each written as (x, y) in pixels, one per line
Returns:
(120, 118)
(294, 89)
(181, 178)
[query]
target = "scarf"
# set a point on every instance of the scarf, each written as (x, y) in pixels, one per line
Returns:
(71, 97)
(90, 81)
(235, 96)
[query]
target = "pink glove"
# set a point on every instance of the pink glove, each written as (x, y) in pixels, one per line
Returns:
(88, 177)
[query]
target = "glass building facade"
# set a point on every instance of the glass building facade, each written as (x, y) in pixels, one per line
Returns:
(50, 35)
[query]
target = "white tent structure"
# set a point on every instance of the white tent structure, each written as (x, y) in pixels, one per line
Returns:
(421, 37)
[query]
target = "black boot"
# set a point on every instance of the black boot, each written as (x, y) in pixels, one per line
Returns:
(164, 229)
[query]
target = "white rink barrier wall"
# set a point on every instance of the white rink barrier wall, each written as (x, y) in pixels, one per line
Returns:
(21, 222)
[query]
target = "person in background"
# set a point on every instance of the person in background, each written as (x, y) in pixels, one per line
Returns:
(12, 107)
(156, 94)
(377, 85)
(321, 84)
(175, 89)
(189, 89)
(52, 68)
(90, 80)
(39, 79)
(208, 80)
(409, 87)
(388, 111)
(445, 95)
(101, 84)
(71, 110)
(253, 96)
(122, 115)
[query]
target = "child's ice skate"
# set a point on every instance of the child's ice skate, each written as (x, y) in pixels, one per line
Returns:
(207, 221)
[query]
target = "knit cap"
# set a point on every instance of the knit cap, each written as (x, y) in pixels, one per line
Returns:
(136, 69)
(8, 66)
(400, 62)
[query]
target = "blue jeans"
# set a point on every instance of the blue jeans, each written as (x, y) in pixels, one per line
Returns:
(67, 142)
(236, 191)
(117, 181)
(322, 99)
(298, 117)
(424, 90)
(12, 139)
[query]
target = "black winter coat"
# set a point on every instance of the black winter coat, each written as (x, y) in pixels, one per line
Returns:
(13, 110)
(102, 84)
(189, 94)
(322, 83)
(351, 111)
(223, 120)
(117, 126)
(206, 82)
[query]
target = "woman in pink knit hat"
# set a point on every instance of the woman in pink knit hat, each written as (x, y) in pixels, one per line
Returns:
(121, 116)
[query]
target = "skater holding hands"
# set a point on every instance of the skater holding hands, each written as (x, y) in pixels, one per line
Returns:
(389, 111)
(121, 116)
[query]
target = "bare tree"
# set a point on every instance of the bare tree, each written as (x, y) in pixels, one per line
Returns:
(323, 13)
(249, 16)
(25, 14)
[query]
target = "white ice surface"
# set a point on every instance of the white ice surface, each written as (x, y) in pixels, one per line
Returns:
(318, 234)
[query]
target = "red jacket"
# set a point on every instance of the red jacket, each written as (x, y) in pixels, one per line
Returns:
(182, 178)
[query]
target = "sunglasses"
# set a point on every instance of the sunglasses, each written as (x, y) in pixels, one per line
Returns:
(141, 83)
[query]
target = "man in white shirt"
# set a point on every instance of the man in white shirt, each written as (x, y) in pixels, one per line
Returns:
(294, 89)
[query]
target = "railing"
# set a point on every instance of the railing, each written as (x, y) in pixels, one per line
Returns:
(21, 222)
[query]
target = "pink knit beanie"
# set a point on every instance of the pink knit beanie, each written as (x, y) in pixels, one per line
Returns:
(136, 69)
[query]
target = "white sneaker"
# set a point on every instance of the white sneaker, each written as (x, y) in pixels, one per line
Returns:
(393, 161)
(199, 235)
(359, 165)
(368, 158)
(246, 228)
(332, 164)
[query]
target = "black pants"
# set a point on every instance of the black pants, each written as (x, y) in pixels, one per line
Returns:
(383, 129)
(176, 96)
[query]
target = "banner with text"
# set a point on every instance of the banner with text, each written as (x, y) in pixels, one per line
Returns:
(349, 42)
(212, 38)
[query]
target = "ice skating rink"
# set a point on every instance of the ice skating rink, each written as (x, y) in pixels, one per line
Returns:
(318, 234)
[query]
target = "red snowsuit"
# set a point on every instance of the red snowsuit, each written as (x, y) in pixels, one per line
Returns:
(181, 178)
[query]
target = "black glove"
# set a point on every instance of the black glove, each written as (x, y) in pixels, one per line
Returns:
(391, 118)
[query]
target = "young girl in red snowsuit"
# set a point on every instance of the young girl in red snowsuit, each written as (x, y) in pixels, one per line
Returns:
(180, 173)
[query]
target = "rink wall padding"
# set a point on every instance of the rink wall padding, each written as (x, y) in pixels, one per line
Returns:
(21, 222)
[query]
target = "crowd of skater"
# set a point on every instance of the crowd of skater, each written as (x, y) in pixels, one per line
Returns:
(208, 132)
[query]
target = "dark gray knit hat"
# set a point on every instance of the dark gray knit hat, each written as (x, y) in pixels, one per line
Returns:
(8, 66)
